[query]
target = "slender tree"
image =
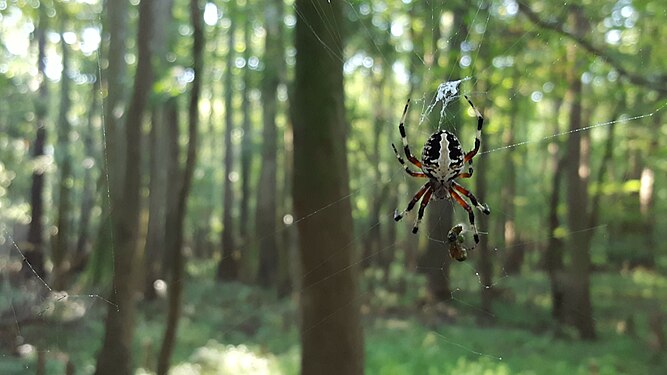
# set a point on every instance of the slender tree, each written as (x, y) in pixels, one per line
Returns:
(577, 296)
(87, 190)
(514, 252)
(440, 215)
(267, 186)
(115, 357)
(553, 254)
(247, 146)
(34, 254)
(184, 185)
(228, 266)
(154, 257)
(64, 160)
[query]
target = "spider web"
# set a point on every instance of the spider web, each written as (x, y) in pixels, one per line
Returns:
(449, 91)
(39, 299)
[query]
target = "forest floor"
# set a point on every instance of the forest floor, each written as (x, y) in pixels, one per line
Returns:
(239, 329)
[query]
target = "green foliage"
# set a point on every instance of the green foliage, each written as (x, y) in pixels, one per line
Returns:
(237, 329)
(393, 50)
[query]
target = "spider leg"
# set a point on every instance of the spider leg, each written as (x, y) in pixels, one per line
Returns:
(422, 207)
(404, 138)
(407, 169)
(482, 207)
(471, 215)
(413, 201)
(480, 121)
(467, 174)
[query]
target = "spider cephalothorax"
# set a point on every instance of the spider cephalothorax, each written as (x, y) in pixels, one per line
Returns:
(443, 161)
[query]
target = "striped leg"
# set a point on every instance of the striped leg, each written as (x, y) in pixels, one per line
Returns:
(422, 207)
(482, 207)
(480, 121)
(412, 203)
(407, 169)
(404, 138)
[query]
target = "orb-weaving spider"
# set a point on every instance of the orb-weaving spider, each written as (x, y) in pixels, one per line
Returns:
(442, 163)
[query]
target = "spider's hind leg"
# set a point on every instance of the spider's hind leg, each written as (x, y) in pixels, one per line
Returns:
(471, 214)
(422, 207)
(398, 216)
(480, 206)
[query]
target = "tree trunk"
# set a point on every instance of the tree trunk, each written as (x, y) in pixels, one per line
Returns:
(440, 215)
(484, 256)
(228, 266)
(175, 247)
(159, 180)
(157, 200)
(378, 195)
(331, 333)
(288, 268)
(411, 246)
(91, 160)
(34, 253)
(172, 269)
(115, 357)
(647, 206)
(577, 296)
(247, 146)
(63, 158)
(553, 254)
(266, 188)
(513, 254)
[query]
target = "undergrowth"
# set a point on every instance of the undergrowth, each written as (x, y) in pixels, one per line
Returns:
(240, 329)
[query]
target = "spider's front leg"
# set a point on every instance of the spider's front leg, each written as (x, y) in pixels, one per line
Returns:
(404, 138)
(407, 169)
(478, 138)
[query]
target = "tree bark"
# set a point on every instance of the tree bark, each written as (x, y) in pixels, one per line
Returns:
(228, 266)
(34, 253)
(159, 179)
(378, 196)
(63, 158)
(514, 253)
(553, 254)
(288, 269)
(331, 333)
(157, 201)
(184, 185)
(115, 357)
(647, 206)
(266, 216)
(247, 146)
(91, 160)
(577, 296)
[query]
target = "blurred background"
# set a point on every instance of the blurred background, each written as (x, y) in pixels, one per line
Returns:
(194, 187)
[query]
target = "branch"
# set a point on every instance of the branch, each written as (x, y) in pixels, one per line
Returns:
(658, 83)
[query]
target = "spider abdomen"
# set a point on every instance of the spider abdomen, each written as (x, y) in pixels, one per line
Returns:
(442, 157)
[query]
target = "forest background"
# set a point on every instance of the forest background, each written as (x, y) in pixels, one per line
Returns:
(208, 187)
